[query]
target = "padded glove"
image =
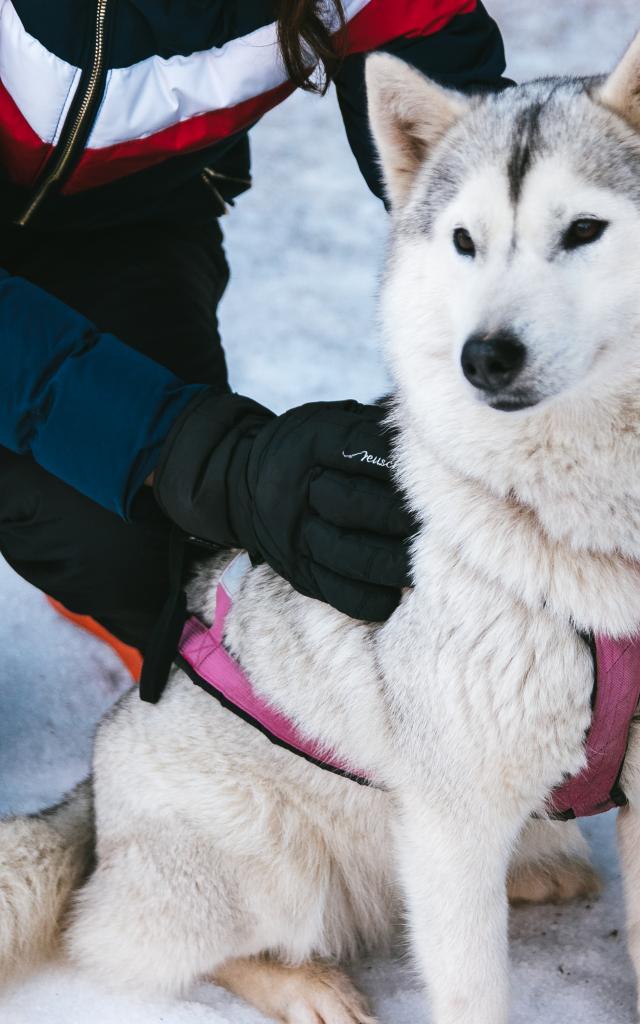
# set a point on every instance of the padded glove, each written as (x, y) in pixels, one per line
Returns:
(310, 492)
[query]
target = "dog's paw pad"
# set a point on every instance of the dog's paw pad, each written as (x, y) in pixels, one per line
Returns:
(558, 881)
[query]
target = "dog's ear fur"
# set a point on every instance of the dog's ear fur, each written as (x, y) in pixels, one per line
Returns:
(409, 114)
(621, 90)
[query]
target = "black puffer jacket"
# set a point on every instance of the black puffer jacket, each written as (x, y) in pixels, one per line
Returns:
(123, 109)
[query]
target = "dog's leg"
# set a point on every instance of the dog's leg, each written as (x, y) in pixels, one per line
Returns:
(629, 847)
(160, 911)
(312, 993)
(453, 863)
(551, 864)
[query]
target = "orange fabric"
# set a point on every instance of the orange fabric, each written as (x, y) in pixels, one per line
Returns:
(130, 657)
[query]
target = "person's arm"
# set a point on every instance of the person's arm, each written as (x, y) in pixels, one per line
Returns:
(85, 406)
(309, 491)
(467, 54)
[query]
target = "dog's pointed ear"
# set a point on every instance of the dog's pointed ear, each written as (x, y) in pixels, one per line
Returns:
(621, 90)
(409, 114)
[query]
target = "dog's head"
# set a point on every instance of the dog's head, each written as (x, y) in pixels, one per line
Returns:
(514, 274)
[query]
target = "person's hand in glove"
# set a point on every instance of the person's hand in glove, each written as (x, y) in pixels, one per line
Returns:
(310, 492)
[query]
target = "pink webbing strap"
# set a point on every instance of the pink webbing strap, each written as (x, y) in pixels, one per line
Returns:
(202, 656)
(597, 788)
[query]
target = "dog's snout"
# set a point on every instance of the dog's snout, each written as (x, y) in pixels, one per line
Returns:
(492, 362)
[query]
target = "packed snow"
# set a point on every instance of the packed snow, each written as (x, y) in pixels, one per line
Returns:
(298, 321)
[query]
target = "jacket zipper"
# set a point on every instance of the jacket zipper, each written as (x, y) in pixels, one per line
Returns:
(211, 173)
(210, 177)
(71, 133)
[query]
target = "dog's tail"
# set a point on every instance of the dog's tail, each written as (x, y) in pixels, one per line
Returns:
(43, 858)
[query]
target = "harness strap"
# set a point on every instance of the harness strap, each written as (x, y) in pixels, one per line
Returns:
(203, 657)
(166, 631)
(160, 650)
(617, 694)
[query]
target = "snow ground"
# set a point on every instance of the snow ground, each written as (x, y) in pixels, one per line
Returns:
(305, 247)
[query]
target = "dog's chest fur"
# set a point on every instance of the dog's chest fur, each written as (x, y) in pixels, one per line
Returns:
(484, 686)
(491, 653)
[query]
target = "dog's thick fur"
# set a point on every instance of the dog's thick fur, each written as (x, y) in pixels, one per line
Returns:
(219, 854)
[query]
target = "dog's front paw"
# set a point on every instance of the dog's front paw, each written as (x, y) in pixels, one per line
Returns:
(328, 996)
(553, 881)
(308, 994)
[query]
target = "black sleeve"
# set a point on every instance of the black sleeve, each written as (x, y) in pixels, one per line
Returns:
(88, 408)
(467, 54)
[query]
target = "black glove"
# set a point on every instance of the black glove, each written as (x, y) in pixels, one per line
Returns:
(310, 492)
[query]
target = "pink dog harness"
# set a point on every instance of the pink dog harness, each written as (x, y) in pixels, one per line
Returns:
(615, 700)
(203, 657)
(201, 654)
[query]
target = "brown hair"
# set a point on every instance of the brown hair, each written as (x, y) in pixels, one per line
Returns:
(307, 43)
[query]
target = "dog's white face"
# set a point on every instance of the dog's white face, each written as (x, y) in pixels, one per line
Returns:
(514, 274)
(527, 300)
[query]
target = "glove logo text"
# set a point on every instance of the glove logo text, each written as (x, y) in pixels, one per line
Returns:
(374, 460)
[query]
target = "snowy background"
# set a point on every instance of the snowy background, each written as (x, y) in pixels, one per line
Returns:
(298, 323)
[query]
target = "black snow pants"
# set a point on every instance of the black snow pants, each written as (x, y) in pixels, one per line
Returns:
(157, 288)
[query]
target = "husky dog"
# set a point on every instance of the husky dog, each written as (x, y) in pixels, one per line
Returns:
(511, 316)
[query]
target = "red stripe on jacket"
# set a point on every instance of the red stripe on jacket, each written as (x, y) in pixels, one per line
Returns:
(24, 154)
(380, 21)
(22, 151)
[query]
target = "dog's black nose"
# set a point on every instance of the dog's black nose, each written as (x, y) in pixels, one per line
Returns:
(492, 362)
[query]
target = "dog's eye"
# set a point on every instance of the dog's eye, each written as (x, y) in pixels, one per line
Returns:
(583, 232)
(464, 242)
